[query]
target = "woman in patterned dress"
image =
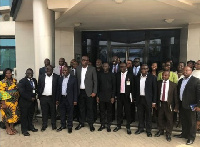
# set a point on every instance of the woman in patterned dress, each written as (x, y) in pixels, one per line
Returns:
(9, 101)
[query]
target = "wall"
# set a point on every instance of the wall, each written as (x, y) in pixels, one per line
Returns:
(193, 43)
(7, 28)
(25, 57)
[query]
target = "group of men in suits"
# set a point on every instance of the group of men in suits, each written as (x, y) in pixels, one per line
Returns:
(114, 82)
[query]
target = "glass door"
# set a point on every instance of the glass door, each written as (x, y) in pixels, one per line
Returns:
(121, 52)
(135, 53)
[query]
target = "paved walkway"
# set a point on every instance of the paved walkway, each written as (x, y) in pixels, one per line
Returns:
(85, 138)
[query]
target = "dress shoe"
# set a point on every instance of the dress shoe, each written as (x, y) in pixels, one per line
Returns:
(116, 129)
(92, 128)
(168, 138)
(189, 142)
(179, 136)
(34, 130)
(139, 131)
(43, 129)
(108, 129)
(69, 130)
(149, 134)
(159, 133)
(101, 128)
(54, 127)
(79, 127)
(129, 131)
(60, 129)
(26, 134)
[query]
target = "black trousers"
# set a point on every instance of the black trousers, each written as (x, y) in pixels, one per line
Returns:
(113, 111)
(26, 116)
(105, 110)
(48, 105)
(144, 112)
(95, 108)
(188, 121)
(124, 102)
(132, 112)
(85, 108)
(66, 108)
(165, 118)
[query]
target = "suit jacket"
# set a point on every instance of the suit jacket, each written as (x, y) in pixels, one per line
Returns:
(42, 71)
(150, 89)
(26, 91)
(90, 79)
(130, 70)
(128, 88)
(71, 89)
(72, 72)
(191, 93)
(172, 100)
(41, 85)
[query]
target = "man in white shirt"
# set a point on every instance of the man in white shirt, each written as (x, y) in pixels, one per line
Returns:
(58, 69)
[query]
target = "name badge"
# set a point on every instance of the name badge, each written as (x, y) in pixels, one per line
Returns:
(128, 83)
(33, 91)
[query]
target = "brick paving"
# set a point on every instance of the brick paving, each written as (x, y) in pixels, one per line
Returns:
(85, 138)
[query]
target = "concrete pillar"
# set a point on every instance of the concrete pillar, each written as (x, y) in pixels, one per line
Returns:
(44, 33)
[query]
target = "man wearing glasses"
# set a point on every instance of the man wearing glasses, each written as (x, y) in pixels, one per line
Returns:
(87, 89)
(136, 67)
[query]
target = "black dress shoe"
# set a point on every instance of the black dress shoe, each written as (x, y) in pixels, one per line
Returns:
(79, 127)
(43, 129)
(159, 133)
(69, 130)
(168, 138)
(54, 127)
(26, 134)
(92, 128)
(108, 129)
(189, 142)
(149, 134)
(116, 129)
(139, 131)
(179, 136)
(129, 131)
(60, 129)
(101, 128)
(34, 130)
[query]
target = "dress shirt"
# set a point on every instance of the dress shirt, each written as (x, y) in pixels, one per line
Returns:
(137, 70)
(196, 73)
(33, 84)
(166, 90)
(73, 70)
(122, 90)
(142, 85)
(48, 85)
(64, 85)
(115, 66)
(83, 73)
(183, 84)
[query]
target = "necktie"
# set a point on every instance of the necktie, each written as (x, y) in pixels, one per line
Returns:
(163, 94)
(31, 82)
(122, 83)
(61, 71)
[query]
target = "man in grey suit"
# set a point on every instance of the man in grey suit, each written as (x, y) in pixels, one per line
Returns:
(87, 89)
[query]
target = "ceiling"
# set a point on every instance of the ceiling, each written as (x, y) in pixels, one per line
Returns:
(129, 15)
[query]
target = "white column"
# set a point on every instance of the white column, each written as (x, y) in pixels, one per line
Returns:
(44, 34)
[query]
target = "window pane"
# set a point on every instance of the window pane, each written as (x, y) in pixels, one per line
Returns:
(6, 2)
(7, 42)
(7, 58)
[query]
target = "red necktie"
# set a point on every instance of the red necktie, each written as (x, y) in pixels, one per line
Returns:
(163, 94)
(61, 71)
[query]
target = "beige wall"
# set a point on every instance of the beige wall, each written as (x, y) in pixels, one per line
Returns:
(193, 43)
(24, 47)
(7, 28)
(64, 44)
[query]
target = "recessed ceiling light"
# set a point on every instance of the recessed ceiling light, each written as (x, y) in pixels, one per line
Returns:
(169, 20)
(119, 1)
(78, 24)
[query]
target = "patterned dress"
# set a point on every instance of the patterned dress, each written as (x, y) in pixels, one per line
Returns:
(9, 94)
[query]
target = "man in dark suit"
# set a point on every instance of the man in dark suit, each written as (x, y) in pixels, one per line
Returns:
(27, 88)
(47, 93)
(106, 96)
(136, 67)
(67, 98)
(87, 89)
(124, 89)
(189, 94)
(73, 68)
(146, 96)
(42, 70)
(167, 103)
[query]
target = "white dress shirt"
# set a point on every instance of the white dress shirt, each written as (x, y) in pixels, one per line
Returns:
(83, 73)
(166, 90)
(48, 85)
(115, 66)
(183, 84)
(142, 85)
(136, 70)
(64, 85)
(123, 90)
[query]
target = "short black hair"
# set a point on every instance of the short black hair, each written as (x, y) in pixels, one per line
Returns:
(5, 70)
(137, 58)
(193, 62)
(29, 69)
(182, 62)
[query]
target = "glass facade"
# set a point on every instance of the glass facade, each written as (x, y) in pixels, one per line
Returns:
(149, 45)
(7, 53)
(6, 3)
